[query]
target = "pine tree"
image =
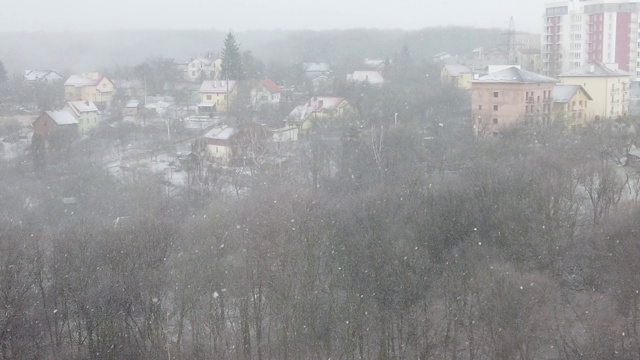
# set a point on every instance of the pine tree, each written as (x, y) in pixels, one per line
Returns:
(231, 59)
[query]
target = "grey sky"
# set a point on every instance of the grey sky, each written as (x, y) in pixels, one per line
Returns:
(75, 15)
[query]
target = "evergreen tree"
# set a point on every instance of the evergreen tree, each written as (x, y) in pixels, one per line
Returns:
(231, 59)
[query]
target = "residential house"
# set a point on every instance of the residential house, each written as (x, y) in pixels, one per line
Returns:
(52, 122)
(266, 92)
(89, 87)
(220, 144)
(375, 64)
(131, 108)
(204, 67)
(366, 77)
(510, 97)
(442, 57)
(571, 104)
(314, 70)
(326, 112)
(285, 134)
(217, 95)
(86, 113)
(322, 85)
(41, 77)
(459, 76)
(607, 85)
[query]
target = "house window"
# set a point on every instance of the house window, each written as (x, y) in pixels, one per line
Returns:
(208, 97)
(495, 107)
(495, 94)
(479, 107)
(495, 120)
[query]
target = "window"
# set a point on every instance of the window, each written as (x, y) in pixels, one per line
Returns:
(208, 97)
(495, 94)
(479, 107)
(495, 107)
(495, 120)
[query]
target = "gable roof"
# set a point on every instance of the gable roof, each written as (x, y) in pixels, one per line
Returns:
(372, 77)
(61, 117)
(457, 70)
(316, 67)
(320, 104)
(217, 133)
(81, 81)
(271, 86)
(217, 86)
(595, 68)
(563, 93)
(515, 76)
(35, 75)
(204, 60)
(79, 107)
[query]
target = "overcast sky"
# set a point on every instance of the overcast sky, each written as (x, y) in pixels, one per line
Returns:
(239, 15)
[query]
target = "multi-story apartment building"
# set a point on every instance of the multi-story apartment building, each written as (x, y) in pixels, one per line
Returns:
(510, 97)
(607, 85)
(578, 31)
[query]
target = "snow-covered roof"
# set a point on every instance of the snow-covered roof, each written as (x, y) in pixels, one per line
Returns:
(371, 77)
(328, 104)
(315, 67)
(35, 75)
(82, 106)
(217, 86)
(220, 133)
(516, 76)
(563, 93)
(132, 104)
(457, 70)
(596, 68)
(81, 81)
(61, 117)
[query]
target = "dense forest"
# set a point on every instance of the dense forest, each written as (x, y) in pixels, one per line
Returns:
(87, 51)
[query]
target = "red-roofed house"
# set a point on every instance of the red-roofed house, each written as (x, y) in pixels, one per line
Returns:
(266, 92)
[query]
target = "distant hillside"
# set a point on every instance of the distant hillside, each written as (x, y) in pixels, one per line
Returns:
(82, 51)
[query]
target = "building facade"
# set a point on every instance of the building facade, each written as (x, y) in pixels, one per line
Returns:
(508, 98)
(578, 31)
(607, 85)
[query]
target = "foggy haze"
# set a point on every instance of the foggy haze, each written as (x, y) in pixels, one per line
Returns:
(68, 15)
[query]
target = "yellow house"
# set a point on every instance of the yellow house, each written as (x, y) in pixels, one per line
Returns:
(217, 95)
(607, 85)
(86, 113)
(459, 76)
(89, 87)
(571, 104)
(319, 111)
